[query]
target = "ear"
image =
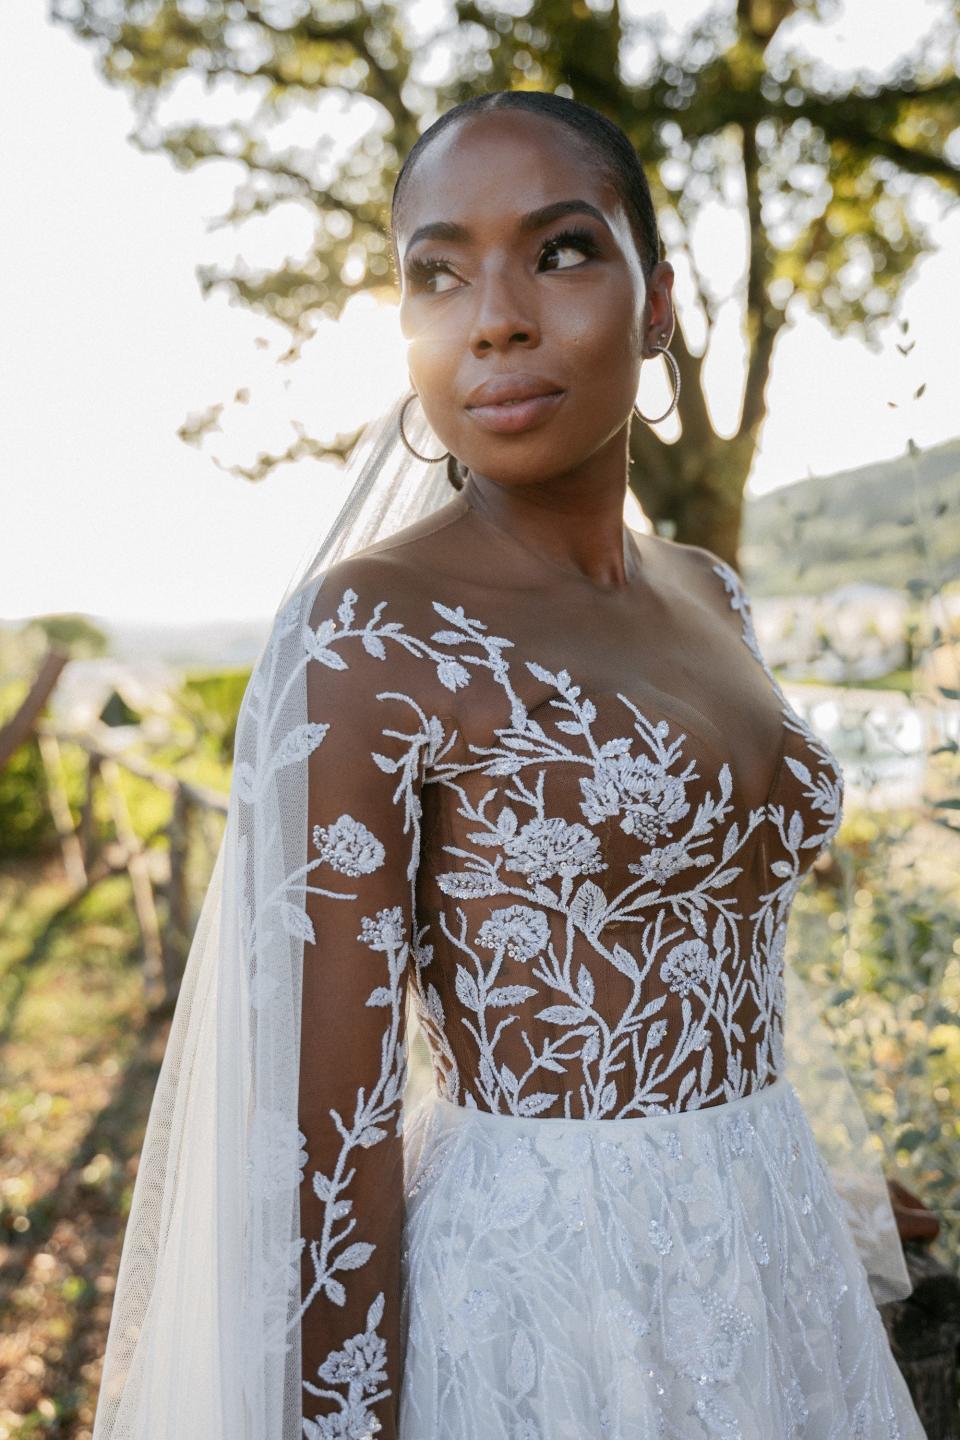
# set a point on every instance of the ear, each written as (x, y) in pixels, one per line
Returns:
(658, 312)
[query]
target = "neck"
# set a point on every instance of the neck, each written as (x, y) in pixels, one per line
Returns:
(575, 519)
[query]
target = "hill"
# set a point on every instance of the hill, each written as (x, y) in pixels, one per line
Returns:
(884, 524)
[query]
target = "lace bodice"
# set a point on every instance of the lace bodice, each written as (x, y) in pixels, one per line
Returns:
(581, 887)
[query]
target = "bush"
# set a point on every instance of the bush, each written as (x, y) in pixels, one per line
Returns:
(212, 698)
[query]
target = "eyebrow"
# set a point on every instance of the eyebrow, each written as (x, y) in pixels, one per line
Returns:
(534, 220)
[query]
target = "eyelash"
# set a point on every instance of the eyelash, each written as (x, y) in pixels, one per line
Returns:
(422, 268)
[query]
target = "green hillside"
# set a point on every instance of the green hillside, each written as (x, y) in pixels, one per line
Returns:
(888, 524)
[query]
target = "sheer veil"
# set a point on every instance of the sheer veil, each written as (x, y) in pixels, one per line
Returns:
(204, 1333)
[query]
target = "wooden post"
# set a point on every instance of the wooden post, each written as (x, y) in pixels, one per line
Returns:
(177, 935)
(86, 813)
(60, 810)
(153, 973)
(20, 727)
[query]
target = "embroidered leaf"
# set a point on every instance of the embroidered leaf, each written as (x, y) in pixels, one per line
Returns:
(354, 1256)
(345, 610)
(723, 877)
(795, 831)
(381, 996)
(245, 779)
(522, 1371)
(799, 769)
(372, 1136)
(374, 645)
(609, 1098)
(585, 987)
(297, 922)
(452, 674)
(334, 1291)
(468, 884)
(562, 1014)
(384, 763)
(467, 991)
(375, 1313)
(323, 1186)
(315, 644)
(588, 907)
(623, 961)
(534, 1104)
(505, 995)
(656, 1033)
(298, 743)
(435, 1005)
(503, 765)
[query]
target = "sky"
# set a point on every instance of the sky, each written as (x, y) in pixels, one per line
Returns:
(107, 346)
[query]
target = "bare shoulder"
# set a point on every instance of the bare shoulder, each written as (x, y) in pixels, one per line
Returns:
(402, 568)
(697, 571)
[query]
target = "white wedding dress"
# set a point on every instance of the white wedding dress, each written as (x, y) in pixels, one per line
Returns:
(608, 1217)
(637, 1197)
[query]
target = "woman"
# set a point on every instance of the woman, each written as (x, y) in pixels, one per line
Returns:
(523, 767)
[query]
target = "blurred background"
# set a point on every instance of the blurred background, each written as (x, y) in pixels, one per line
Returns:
(194, 279)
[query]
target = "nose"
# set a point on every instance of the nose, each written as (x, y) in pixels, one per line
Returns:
(504, 314)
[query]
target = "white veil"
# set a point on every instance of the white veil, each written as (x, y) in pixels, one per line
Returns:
(204, 1339)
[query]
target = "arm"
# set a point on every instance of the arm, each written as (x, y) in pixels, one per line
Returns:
(363, 844)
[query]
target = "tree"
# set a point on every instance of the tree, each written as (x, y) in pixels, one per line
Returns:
(820, 167)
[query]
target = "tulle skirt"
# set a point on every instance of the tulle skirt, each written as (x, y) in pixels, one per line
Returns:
(662, 1278)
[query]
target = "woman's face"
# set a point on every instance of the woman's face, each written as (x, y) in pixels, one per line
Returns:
(497, 292)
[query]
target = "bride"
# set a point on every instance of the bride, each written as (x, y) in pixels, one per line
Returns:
(518, 766)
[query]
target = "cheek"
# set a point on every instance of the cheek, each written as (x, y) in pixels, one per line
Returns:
(432, 351)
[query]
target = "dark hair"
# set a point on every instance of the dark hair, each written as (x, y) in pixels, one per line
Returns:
(600, 134)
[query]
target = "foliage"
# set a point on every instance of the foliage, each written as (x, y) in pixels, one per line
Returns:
(821, 167)
(77, 634)
(878, 939)
(26, 825)
(212, 700)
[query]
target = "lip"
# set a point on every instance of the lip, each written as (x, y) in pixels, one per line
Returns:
(508, 403)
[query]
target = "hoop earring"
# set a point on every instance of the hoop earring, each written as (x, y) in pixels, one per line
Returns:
(672, 359)
(427, 459)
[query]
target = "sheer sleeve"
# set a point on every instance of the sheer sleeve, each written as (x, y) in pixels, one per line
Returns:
(363, 813)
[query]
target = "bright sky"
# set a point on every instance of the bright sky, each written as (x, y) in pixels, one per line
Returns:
(106, 347)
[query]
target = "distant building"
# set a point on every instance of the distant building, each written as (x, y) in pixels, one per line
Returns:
(857, 631)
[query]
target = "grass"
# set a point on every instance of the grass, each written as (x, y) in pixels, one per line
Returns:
(80, 1056)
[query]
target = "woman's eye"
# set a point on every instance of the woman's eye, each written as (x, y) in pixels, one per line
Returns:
(566, 255)
(434, 285)
(425, 273)
(569, 249)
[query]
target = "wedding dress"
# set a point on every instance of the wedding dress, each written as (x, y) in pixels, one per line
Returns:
(470, 794)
